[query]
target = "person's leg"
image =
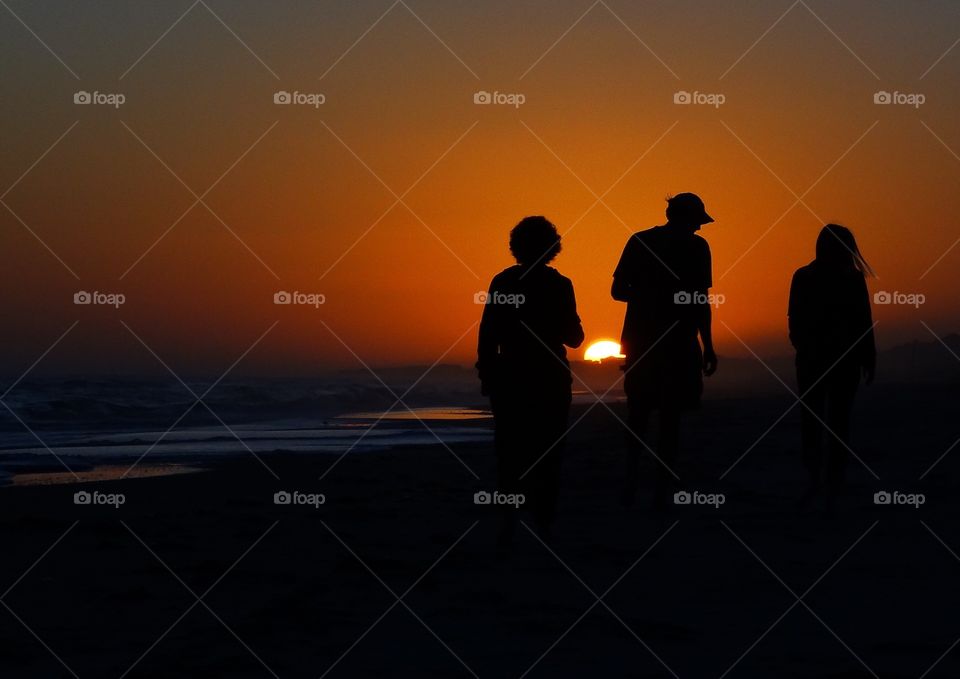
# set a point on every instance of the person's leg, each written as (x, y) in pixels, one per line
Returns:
(544, 490)
(638, 416)
(842, 389)
(813, 394)
(668, 448)
(507, 432)
(540, 471)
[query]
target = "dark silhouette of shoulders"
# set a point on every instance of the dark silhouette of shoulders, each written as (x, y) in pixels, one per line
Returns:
(517, 274)
(829, 311)
(529, 318)
(525, 301)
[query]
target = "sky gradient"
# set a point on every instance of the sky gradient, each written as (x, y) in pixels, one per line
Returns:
(394, 198)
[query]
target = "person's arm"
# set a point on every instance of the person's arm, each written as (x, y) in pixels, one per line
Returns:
(621, 290)
(572, 328)
(705, 317)
(705, 320)
(488, 345)
(796, 311)
(868, 345)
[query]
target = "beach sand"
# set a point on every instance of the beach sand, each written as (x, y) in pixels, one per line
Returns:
(395, 574)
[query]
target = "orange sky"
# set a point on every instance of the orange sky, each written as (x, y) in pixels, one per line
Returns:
(311, 204)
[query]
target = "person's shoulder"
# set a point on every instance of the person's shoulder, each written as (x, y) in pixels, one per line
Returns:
(643, 236)
(700, 242)
(511, 273)
(805, 272)
(556, 277)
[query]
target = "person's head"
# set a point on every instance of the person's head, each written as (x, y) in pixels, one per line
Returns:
(837, 249)
(534, 241)
(686, 210)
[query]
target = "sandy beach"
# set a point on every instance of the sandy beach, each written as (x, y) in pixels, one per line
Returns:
(395, 573)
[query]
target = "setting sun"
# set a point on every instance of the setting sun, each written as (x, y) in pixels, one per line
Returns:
(601, 350)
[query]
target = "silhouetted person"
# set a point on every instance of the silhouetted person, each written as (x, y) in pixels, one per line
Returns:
(832, 330)
(530, 314)
(663, 276)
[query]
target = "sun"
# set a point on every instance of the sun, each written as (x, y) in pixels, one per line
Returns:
(602, 349)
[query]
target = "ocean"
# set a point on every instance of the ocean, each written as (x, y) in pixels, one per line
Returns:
(113, 420)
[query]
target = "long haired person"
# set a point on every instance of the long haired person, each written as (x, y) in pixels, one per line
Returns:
(831, 328)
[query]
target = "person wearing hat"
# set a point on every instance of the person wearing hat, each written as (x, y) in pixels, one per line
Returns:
(664, 275)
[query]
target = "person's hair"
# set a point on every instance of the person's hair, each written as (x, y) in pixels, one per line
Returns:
(837, 247)
(534, 240)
